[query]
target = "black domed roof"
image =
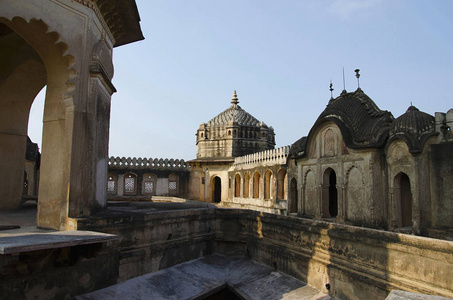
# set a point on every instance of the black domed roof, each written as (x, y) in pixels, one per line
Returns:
(360, 120)
(414, 127)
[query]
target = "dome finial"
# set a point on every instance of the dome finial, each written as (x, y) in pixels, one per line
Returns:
(234, 100)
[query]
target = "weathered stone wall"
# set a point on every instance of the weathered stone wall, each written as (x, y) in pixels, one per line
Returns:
(58, 273)
(155, 241)
(358, 263)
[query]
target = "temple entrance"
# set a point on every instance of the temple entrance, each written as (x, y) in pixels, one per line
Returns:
(217, 189)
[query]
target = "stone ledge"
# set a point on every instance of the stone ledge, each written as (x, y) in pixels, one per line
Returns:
(26, 242)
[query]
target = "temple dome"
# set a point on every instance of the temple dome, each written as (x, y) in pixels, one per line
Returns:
(232, 133)
(235, 115)
(360, 120)
(414, 127)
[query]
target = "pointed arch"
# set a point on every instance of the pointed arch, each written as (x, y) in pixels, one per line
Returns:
(268, 184)
(282, 184)
(237, 185)
(256, 184)
(246, 188)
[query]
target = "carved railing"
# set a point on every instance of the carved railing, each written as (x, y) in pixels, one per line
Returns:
(147, 163)
(267, 157)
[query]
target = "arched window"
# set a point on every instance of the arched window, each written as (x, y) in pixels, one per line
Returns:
(112, 184)
(173, 184)
(237, 185)
(268, 180)
(246, 185)
(130, 184)
(256, 185)
(149, 184)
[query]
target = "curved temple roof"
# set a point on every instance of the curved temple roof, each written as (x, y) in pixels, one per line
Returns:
(360, 120)
(414, 127)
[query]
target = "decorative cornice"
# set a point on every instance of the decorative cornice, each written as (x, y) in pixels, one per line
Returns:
(93, 5)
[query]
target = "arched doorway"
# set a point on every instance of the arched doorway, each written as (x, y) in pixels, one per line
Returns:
(404, 200)
(330, 194)
(256, 185)
(246, 185)
(216, 189)
(281, 184)
(237, 185)
(294, 198)
(268, 180)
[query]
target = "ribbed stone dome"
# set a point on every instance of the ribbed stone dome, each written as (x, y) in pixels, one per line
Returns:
(414, 127)
(235, 114)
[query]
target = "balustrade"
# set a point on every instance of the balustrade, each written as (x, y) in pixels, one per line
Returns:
(146, 163)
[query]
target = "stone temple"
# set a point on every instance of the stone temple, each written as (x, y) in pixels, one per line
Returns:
(359, 208)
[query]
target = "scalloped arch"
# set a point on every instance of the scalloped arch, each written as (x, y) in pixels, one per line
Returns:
(53, 52)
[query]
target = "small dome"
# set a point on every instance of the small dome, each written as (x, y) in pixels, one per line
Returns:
(414, 127)
(234, 114)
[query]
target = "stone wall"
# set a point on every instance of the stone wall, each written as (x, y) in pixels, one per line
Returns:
(50, 265)
(358, 263)
(151, 242)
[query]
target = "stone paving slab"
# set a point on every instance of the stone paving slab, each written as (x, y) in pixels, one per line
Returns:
(198, 277)
(25, 242)
(403, 295)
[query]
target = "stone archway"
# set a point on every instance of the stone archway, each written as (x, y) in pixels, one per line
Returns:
(35, 58)
(216, 185)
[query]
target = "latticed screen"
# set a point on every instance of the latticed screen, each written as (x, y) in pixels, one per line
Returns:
(129, 185)
(149, 187)
(172, 185)
(111, 186)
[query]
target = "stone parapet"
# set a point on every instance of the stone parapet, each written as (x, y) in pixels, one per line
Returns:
(267, 157)
(147, 163)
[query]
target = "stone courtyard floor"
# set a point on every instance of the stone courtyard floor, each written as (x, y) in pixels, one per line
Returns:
(205, 276)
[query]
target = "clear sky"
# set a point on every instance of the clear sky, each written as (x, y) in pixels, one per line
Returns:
(280, 57)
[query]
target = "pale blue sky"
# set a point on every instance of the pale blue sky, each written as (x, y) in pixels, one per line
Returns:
(280, 57)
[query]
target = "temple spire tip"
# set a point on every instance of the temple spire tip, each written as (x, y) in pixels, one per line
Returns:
(234, 100)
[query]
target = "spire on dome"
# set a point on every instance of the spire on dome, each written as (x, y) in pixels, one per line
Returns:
(234, 100)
